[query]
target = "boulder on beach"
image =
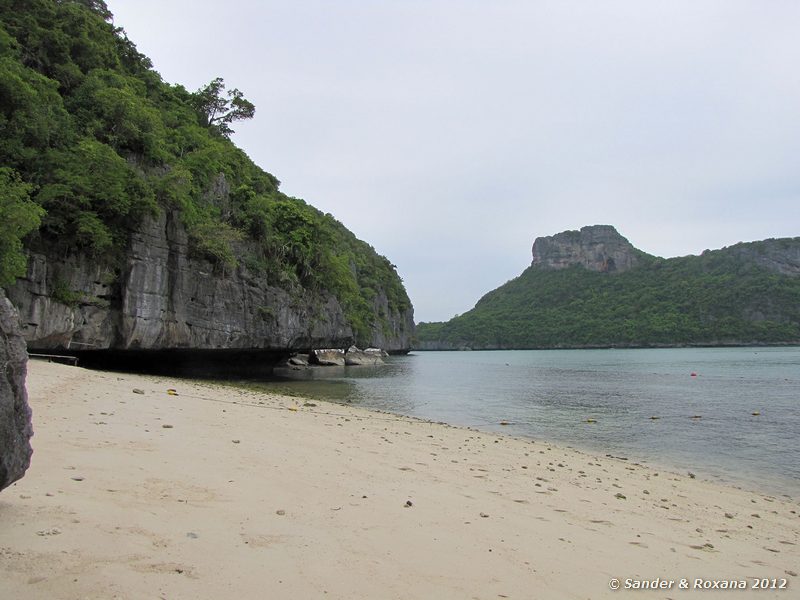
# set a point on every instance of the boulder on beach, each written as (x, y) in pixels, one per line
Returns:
(298, 360)
(15, 413)
(327, 357)
(369, 357)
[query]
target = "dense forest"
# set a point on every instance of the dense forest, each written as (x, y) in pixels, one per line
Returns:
(92, 140)
(720, 297)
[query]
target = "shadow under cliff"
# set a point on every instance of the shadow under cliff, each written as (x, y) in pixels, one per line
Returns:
(201, 364)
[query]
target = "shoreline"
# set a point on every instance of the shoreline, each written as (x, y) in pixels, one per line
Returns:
(782, 488)
(731, 473)
(751, 344)
(220, 492)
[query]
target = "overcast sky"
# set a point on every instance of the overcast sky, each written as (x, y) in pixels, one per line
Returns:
(450, 133)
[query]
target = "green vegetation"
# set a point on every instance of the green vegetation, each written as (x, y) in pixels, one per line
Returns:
(92, 141)
(720, 297)
(220, 111)
(20, 216)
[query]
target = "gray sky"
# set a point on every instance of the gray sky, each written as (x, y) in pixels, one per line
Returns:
(450, 133)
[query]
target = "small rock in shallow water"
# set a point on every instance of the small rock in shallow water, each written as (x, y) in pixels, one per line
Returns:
(137, 391)
(409, 504)
(280, 512)
(620, 496)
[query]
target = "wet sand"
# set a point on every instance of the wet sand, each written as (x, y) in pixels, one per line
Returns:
(218, 492)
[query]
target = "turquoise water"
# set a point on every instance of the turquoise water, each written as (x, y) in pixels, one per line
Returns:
(551, 395)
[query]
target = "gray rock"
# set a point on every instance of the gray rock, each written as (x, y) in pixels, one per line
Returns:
(369, 357)
(298, 360)
(164, 297)
(379, 351)
(15, 413)
(328, 357)
(778, 255)
(595, 247)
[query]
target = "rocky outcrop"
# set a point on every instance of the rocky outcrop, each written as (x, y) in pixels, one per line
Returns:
(745, 294)
(327, 357)
(780, 255)
(331, 357)
(595, 247)
(371, 357)
(298, 360)
(164, 298)
(15, 414)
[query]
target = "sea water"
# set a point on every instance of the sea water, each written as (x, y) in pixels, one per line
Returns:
(727, 413)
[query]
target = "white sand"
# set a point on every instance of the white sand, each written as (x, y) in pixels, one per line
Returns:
(243, 498)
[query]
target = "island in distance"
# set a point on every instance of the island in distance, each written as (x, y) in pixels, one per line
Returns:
(592, 289)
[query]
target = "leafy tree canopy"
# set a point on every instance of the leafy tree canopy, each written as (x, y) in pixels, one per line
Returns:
(218, 109)
(92, 141)
(20, 216)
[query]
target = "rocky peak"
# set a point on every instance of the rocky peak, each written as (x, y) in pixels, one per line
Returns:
(596, 247)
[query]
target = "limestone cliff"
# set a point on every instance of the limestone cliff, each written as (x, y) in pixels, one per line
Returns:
(597, 247)
(781, 255)
(15, 414)
(163, 298)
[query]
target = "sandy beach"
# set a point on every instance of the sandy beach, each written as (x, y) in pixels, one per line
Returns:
(217, 492)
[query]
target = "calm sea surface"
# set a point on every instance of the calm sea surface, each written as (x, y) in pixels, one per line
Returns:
(551, 395)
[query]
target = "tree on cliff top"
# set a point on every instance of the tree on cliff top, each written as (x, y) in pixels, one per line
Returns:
(218, 110)
(90, 133)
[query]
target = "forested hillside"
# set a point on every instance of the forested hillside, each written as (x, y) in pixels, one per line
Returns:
(739, 295)
(92, 141)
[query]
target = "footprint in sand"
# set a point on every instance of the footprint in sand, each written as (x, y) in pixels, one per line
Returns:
(262, 540)
(167, 568)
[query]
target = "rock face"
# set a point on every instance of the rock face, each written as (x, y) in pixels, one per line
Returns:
(778, 255)
(595, 247)
(163, 298)
(15, 414)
